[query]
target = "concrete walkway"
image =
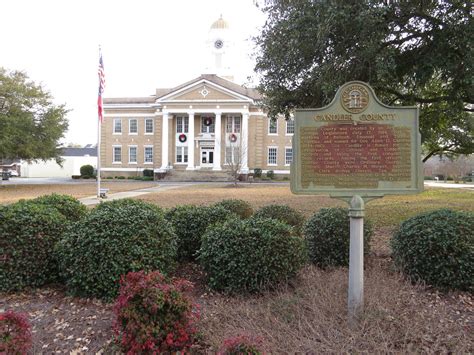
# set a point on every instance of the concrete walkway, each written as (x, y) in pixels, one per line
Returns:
(445, 185)
(94, 200)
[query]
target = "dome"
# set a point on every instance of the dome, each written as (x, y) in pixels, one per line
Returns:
(220, 23)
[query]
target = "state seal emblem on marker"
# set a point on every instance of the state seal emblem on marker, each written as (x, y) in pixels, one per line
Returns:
(354, 98)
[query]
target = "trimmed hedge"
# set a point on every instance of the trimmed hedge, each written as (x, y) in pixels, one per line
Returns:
(67, 205)
(284, 214)
(251, 254)
(437, 248)
(28, 234)
(114, 238)
(327, 235)
(87, 170)
(154, 315)
(240, 207)
(190, 223)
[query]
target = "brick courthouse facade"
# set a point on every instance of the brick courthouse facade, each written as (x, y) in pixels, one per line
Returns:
(208, 123)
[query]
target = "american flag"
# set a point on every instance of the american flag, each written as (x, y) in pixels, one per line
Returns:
(101, 88)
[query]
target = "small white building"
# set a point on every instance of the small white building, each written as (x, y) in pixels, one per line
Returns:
(74, 158)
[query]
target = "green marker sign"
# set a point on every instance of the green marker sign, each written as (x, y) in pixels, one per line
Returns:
(356, 146)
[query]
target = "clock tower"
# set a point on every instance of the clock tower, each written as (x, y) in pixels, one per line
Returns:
(219, 45)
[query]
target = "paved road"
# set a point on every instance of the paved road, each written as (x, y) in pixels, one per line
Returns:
(468, 186)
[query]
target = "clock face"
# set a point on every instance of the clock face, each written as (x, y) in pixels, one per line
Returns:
(218, 44)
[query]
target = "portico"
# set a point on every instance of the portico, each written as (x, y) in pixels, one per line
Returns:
(203, 138)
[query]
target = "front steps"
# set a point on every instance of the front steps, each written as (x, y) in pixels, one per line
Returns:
(197, 175)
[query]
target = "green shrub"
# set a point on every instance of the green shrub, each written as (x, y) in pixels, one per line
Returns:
(109, 177)
(114, 238)
(251, 254)
(120, 177)
(148, 173)
(257, 172)
(327, 235)
(153, 315)
(28, 233)
(284, 214)
(76, 177)
(270, 174)
(67, 205)
(239, 207)
(190, 223)
(437, 248)
(87, 170)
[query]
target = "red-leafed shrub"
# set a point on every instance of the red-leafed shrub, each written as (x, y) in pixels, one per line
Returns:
(154, 315)
(15, 333)
(242, 344)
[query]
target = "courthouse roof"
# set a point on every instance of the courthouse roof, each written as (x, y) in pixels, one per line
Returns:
(161, 92)
(249, 92)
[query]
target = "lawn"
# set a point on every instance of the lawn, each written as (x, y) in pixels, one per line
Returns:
(309, 314)
(13, 193)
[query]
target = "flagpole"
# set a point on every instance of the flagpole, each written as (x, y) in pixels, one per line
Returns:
(99, 120)
(98, 157)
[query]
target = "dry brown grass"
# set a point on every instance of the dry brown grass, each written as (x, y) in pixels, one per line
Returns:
(311, 316)
(257, 195)
(13, 193)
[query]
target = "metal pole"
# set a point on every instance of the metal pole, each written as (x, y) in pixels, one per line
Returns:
(356, 259)
(98, 157)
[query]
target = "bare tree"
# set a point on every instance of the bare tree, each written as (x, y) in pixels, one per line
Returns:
(233, 159)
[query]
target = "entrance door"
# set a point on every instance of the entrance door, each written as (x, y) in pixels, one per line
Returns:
(207, 157)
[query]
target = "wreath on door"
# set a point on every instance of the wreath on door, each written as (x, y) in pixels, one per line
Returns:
(182, 138)
(233, 138)
(207, 121)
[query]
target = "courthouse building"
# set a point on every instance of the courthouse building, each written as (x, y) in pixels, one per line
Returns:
(208, 123)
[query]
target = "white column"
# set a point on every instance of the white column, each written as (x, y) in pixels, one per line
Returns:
(244, 167)
(217, 146)
(164, 142)
(191, 141)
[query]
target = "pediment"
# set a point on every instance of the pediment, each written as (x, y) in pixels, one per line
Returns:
(204, 91)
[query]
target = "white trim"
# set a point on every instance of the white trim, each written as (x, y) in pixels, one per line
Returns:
(123, 169)
(268, 130)
(136, 154)
(206, 101)
(152, 153)
(177, 111)
(152, 126)
(287, 147)
(197, 83)
(148, 106)
(113, 154)
(268, 155)
(113, 126)
(286, 128)
(132, 133)
(137, 115)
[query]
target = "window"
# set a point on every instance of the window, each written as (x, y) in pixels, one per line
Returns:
(207, 125)
(132, 154)
(272, 156)
(117, 151)
(272, 126)
(288, 156)
(181, 154)
(149, 125)
(117, 126)
(290, 126)
(148, 154)
(132, 126)
(233, 124)
(232, 155)
(182, 124)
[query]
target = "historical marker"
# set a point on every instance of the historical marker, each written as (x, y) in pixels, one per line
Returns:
(356, 149)
(356, 146)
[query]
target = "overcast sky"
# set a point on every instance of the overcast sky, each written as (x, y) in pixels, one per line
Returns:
(145, 44)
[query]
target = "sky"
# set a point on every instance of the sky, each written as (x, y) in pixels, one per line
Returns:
(145, 45)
